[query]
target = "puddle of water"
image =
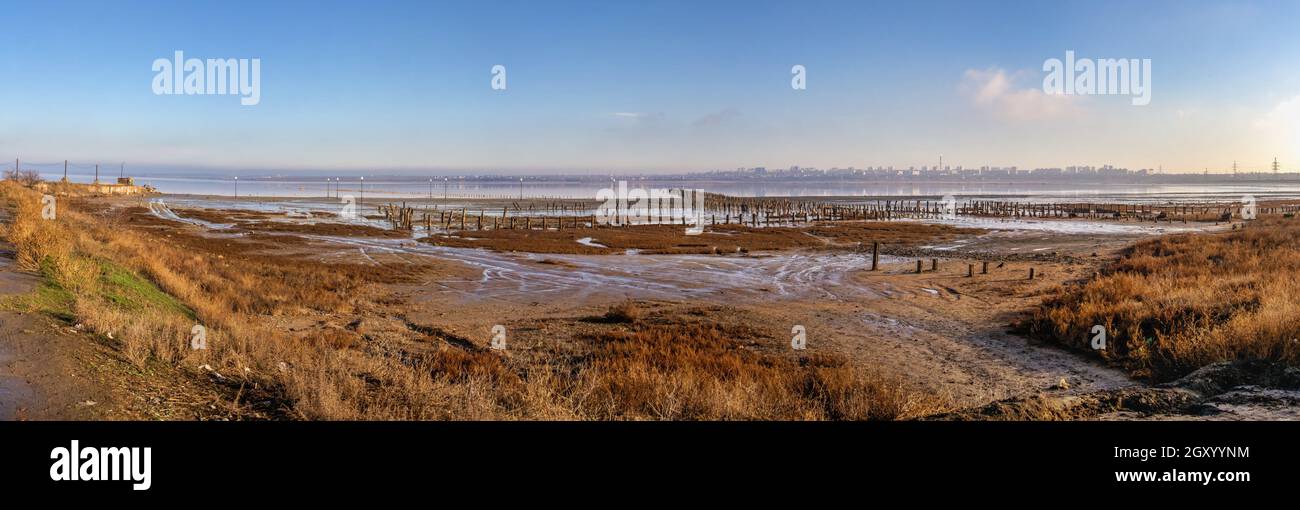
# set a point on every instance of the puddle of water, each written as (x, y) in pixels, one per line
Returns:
(162, 210)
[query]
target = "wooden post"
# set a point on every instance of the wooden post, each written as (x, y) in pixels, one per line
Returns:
(918, 266)
(934, 264)
(875, 255)
(970, 270)
(1031, 273)
(984, 267)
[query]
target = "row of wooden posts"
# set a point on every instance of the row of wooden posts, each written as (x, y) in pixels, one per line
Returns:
(970, 268)
(403, 218)
(934, 264)
(760, 212)
(783, 211)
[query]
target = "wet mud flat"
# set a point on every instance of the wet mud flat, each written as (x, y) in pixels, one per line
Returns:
(943, 326)
(1225, 391)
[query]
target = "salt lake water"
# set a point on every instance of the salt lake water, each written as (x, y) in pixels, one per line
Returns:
(455, 188)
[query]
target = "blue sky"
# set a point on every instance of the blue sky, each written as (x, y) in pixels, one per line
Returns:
(653, 86)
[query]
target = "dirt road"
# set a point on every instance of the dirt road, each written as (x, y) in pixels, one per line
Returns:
(40, 375)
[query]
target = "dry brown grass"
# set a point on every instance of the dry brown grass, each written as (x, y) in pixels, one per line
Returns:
(1177, 303)
(703, 372)
(659, 371)
(624, 312)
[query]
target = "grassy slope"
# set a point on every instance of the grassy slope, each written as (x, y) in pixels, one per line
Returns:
(125, 289)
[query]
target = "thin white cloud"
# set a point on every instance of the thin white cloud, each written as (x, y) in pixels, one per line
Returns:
(996, 91)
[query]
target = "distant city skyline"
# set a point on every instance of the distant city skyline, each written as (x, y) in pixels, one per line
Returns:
(960, 171)
(663, 87)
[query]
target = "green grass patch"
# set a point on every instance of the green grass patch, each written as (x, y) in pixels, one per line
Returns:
(131, 291)
(117, 285)
(48, 298)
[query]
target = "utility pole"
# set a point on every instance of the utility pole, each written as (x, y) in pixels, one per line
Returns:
(65, 170)
(362, 199)
(236, 187)
(96, 173)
